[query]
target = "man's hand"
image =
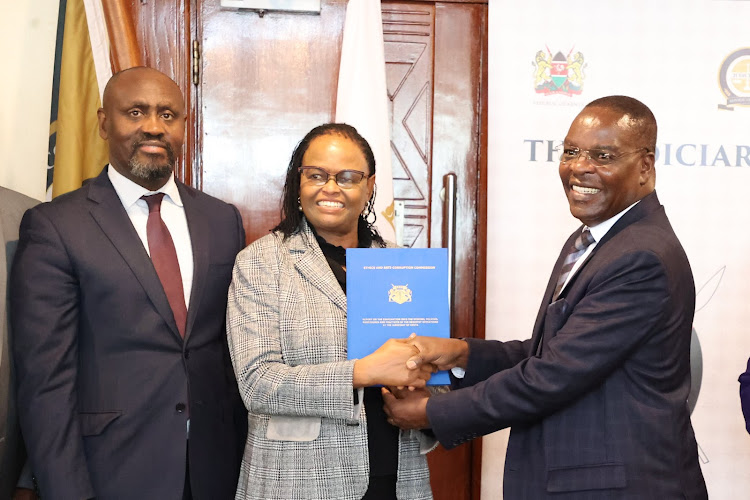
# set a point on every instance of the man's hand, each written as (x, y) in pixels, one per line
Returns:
(440, 352)
(387, 366)
(406, 409)
(24, 494)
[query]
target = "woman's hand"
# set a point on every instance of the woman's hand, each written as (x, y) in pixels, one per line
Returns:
(387, 366)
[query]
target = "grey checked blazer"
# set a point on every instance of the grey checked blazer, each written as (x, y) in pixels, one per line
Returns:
(12, 453)
(286, 323)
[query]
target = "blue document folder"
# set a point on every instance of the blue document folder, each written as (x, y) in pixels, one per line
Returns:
(392, 292)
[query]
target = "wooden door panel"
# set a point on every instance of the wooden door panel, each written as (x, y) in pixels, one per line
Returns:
(457, 122)
(266, 81)
(408, 39)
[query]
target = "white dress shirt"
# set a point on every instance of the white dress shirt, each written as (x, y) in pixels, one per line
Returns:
(172, 213)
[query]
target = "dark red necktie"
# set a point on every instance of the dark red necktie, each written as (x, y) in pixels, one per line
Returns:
(164, 257)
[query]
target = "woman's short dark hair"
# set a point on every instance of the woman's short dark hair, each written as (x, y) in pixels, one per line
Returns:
(291, 215)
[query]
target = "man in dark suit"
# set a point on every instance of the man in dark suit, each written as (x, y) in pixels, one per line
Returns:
(125, 384)
(745, 395)
(12, 455)
(597, 398)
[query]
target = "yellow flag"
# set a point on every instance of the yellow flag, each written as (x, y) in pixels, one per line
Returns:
(79, 152)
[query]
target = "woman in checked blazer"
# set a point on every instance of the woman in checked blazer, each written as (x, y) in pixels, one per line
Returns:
(316, 428)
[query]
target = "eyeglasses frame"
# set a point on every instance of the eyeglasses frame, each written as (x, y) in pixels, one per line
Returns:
(594, 161)
(300, 170)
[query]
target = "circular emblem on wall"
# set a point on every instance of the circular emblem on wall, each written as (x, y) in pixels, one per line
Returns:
(734, 79)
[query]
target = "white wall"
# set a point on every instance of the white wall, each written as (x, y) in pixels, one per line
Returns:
(27, 33)
(678, 57)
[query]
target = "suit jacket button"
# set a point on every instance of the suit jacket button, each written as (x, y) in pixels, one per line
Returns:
(180, 407)
(187, 354)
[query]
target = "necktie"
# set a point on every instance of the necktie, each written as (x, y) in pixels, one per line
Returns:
(164, 258)
(579, 248)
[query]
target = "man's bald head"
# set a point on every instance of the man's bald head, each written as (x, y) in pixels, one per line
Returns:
(641, 121)
(143, 119)
(131, 76)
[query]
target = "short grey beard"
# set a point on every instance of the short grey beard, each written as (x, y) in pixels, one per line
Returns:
(149, 173)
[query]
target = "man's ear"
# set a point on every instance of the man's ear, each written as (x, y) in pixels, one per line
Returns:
(648, 171)
(102, 117)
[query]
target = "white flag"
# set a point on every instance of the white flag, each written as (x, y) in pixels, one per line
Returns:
(362, 98)
(99, 42)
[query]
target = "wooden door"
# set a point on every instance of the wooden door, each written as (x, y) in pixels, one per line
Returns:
(264, 81)
(408, 35)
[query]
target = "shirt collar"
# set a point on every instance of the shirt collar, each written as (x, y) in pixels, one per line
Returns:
(602, 228)
(129, 192)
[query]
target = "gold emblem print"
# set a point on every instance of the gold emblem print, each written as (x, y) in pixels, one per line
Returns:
(399, 294)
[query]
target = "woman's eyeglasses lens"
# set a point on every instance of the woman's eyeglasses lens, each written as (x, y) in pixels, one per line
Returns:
(344, 178)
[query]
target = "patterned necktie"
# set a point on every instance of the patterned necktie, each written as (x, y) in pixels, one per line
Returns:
(164, 258)
(579, 248)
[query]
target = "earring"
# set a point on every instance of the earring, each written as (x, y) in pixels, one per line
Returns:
(369, 210)
(299, 204)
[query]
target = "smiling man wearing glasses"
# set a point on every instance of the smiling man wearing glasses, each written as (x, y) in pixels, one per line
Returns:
(597, 398)
(607, 161)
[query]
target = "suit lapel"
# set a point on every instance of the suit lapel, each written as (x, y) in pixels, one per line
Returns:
(312, 264)
(648, 205)
(198, 226)
(551, 285)
(113, 220)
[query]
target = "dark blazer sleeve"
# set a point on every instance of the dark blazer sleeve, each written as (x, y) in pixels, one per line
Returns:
(745, 395)
(45, 314)
(487, 357)
(240, 229)
(623, 306)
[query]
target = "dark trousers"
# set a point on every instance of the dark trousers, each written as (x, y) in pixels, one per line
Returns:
(187, 494)
(381, 488)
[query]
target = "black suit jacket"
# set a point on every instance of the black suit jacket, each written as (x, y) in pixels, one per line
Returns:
(597, 398)
(106, 383)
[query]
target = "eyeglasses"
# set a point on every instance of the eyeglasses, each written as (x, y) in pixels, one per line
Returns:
(599, 157)
(346, 179)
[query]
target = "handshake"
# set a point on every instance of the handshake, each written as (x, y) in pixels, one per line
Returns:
(409, 362)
